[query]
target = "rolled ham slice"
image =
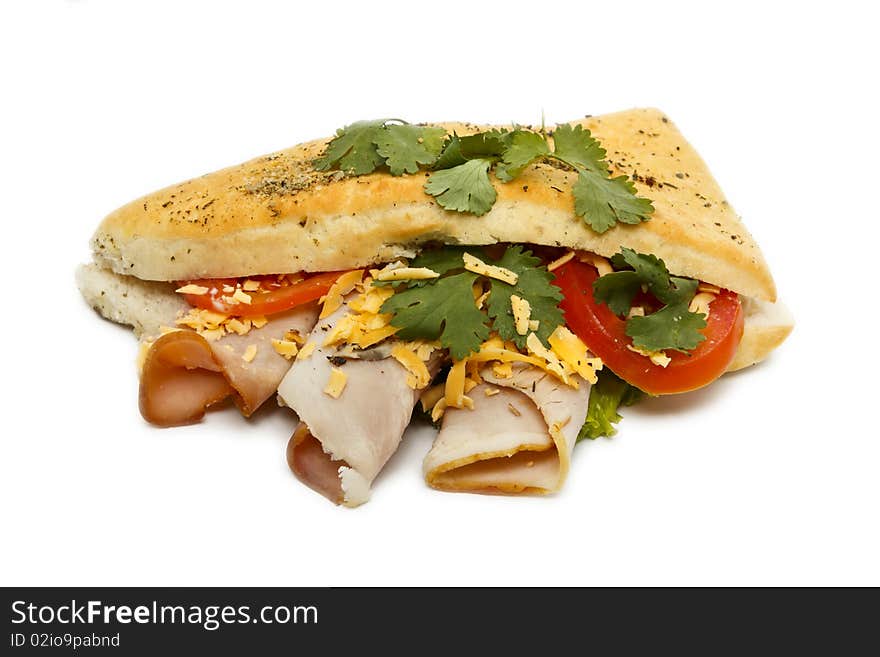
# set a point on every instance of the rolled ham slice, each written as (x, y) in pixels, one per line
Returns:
(184, 374)
(342, 443)
(518, 438)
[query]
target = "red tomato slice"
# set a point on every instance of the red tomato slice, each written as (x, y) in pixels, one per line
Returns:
(605, 334)
(274, 296)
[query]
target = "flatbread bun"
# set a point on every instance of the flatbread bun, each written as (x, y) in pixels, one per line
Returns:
(276, 214)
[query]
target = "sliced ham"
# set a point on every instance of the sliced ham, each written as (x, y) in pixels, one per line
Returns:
(517, 439)
(180, 380)
(342, 443)
(184, 374)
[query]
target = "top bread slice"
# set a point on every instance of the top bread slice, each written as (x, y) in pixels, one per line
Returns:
(276, 214)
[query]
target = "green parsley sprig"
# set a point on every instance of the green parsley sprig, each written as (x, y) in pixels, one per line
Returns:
(461, 166)
(671, 327)
(443, 308)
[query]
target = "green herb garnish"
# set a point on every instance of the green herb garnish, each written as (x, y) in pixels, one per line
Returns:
(443, 308)
(671, 327)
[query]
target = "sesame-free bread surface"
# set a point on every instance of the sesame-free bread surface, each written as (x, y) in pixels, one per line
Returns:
(276, 214)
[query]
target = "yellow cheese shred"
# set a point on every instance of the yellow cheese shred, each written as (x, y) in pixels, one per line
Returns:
(556, 264)
(192, 289)
(455, 384)
(285, 348)
(250, 353)
(657, 357)
(571, 350)
(407, 274)
(418, 376)
(306, 350)
(343, 285)
(700, 303)
(474, 264)
(336, 384)
(522, 311)
(600, 263)
(431, 396)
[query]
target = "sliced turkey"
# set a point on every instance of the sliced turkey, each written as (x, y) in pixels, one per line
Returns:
(518, 438)
(342, 443)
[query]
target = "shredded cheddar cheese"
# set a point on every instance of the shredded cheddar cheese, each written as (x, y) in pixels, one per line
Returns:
(431, 396)
(657, 357)
(407, 274)
(455, 384)
(600, 263)
(239, 326)
(474, 264)
(292, 335)
(371, 299)
(242, 297)
(344, 284)
(700, 303)
(635, 311)
(556, 264)
(336, 384)
(285, 348)
(439, 409)
(572, 351)
(212, 335)
(306, 350)
(213, 325)
(193, 289)
(522, 311)
(418, 376)
(250, 353)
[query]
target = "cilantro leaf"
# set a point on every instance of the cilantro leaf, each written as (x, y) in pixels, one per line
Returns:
(523, 148)
(672, 327)
(465, 188)
(577, 147)
(488, 144)
(451, 155)
(353, 149)
(607, 395)
(617, 290)
(444, 311)
(533, 284)
(650, 269)
(446, 259)
(602, 202)
(405, 146)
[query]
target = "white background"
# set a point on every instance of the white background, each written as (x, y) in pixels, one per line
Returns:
(769, 476)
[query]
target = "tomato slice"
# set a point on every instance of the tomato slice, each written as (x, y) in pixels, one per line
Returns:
(605, 334)
(276, 294)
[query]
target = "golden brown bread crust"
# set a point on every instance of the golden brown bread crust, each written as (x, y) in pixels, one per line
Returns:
(276, 214)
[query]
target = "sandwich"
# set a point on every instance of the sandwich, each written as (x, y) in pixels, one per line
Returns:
(516, 286)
